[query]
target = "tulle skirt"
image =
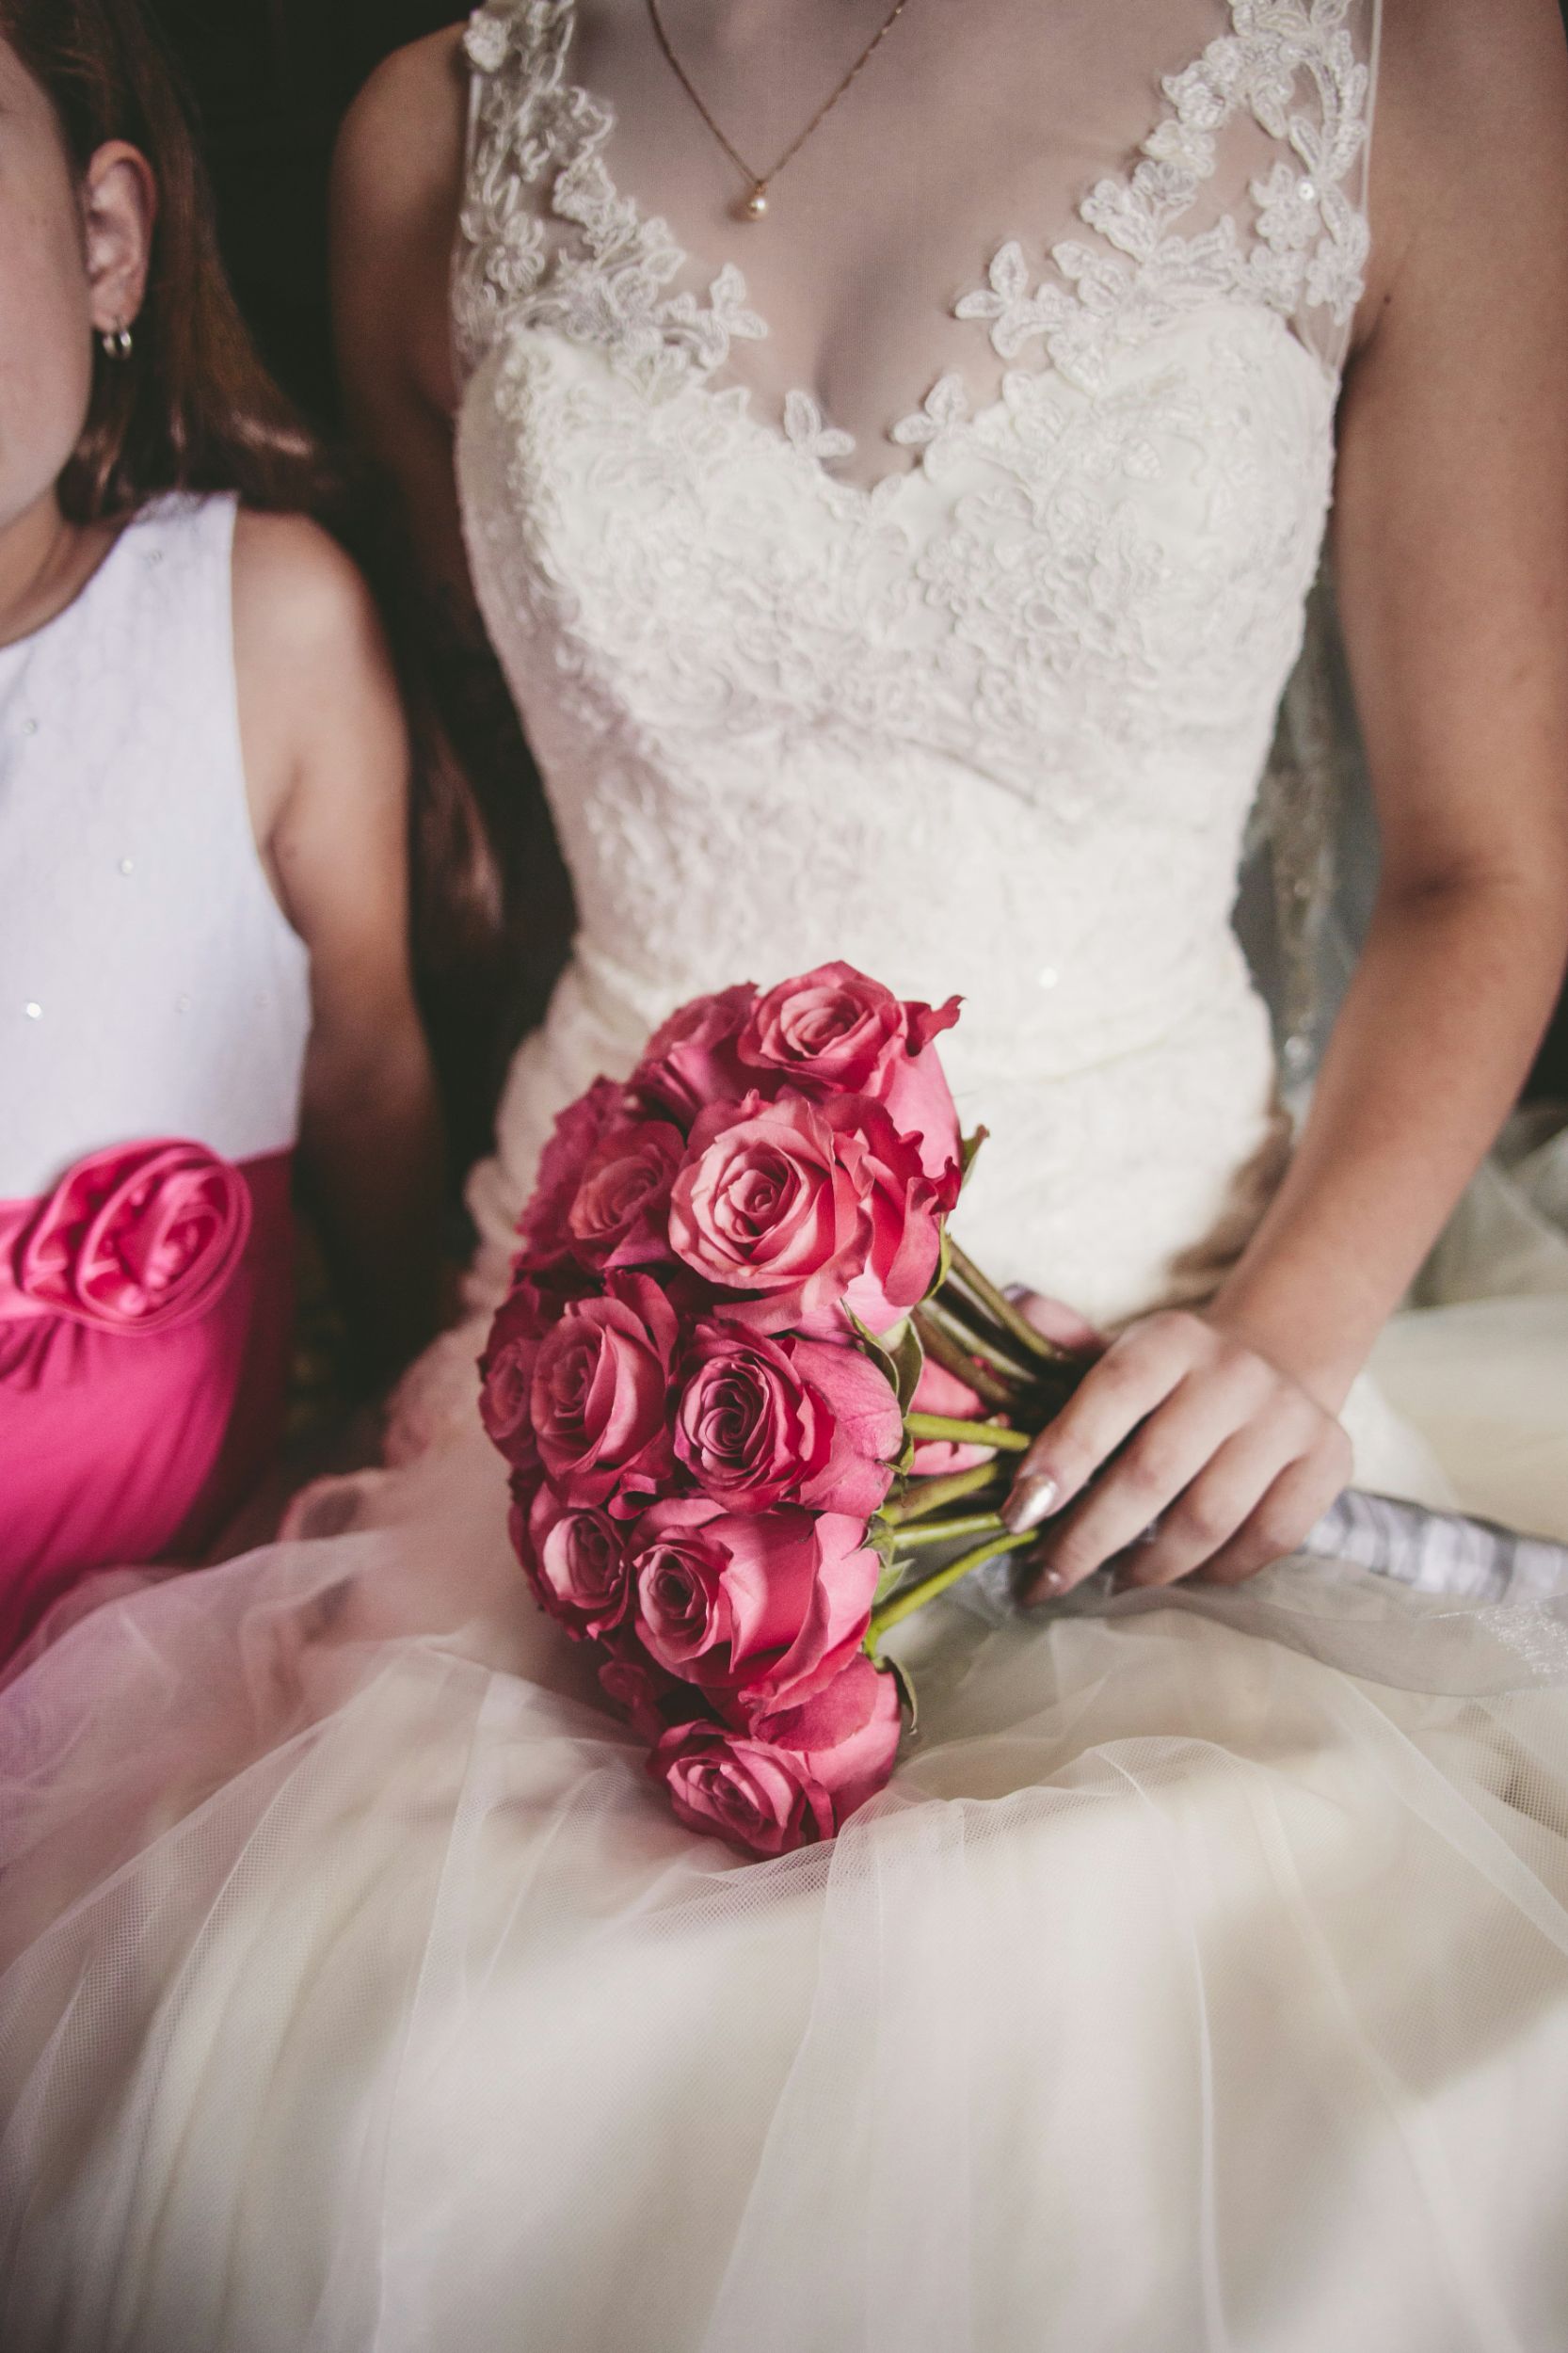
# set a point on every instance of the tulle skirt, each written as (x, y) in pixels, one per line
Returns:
(1199, 1985)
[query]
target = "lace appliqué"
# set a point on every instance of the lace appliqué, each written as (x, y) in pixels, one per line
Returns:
(1039, 667)
(1312, 241)
(1291, 63)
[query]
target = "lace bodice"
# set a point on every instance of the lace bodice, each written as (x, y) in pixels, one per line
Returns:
(981, 703)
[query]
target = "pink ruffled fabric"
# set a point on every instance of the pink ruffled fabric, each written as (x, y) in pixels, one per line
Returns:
(146, 1307)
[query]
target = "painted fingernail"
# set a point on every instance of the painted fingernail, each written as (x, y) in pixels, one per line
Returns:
(1047, 1587)
(1033, 1499)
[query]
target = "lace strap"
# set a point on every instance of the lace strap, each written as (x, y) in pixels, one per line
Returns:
(521, 121)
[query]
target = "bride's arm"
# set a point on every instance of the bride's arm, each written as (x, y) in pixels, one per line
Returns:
(1451, 544)
(396, 190)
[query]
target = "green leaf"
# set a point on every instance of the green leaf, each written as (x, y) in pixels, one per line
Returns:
(907, 1356)
(944, 1264)
(892, 1576)
(968, 1147)
(882, 1536)
(878, 1346)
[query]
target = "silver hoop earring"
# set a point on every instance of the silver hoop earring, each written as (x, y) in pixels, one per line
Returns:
(118, 341)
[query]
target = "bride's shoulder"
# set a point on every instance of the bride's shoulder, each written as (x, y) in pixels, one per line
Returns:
(1470, 141)
(397, 183)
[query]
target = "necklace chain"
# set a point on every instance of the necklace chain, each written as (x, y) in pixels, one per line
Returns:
(757, 202)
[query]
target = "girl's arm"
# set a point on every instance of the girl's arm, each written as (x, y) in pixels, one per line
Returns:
(1451, 543)
(326, 762)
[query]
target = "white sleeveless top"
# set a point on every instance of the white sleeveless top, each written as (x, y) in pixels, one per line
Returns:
(149, 984)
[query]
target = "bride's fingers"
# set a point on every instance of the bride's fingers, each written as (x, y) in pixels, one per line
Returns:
(1295, 1502)
(1155, 1473)
(1136, 1374)
(1055, 1320)
(1205, 1517)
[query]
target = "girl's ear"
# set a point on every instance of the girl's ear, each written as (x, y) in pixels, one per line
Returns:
(119, 205)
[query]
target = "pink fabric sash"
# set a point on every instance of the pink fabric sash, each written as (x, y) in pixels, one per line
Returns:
(146, 1317)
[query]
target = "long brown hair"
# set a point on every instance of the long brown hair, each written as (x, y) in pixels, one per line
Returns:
(193, 408)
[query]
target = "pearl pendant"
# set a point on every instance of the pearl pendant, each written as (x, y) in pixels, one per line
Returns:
(756, 203)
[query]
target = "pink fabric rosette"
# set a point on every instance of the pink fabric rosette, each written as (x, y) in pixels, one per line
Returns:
(137, 1240)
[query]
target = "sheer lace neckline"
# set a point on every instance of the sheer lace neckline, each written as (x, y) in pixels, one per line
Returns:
(1103, 293)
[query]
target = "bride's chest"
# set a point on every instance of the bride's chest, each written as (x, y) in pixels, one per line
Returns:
(1098, 553)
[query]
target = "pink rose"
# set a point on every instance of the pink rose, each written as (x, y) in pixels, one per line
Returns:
(729, 1785)
(620, 1214)
(759, 1611)
(798, 1784)
(764, 1421)
(599, 1391)
(138, 1239)
(836, 1031)
(902, 1210)
(650, 1700)
(536, 1303)
(576, 1563)
(938, 1391)
(807, 1205)
(690, 1061)
(764, 1202)
(578, 1131)
(848, 1732)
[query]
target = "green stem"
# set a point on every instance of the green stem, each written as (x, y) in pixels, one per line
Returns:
(939, 1343)
(924, 1495)
(997, 1304)
(947, 1531)
(941, 1315)
(912, 1597)
(937, 1428)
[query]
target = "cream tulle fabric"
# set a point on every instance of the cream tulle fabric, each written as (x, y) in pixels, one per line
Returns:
(1200, 1985)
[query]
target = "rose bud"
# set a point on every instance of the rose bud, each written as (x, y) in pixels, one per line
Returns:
(764, 1421)
(600, 1389)
(576, 1563)
(759, 1611)
(621, 1215)
(690, 1061)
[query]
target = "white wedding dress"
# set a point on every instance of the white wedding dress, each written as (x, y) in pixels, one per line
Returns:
(1200, 1984)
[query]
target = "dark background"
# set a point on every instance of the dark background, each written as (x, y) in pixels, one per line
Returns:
(272, 79)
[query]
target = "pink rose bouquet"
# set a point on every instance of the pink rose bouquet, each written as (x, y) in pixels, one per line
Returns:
(756, 1402)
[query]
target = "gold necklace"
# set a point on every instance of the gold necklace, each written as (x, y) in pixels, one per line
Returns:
(753, 206)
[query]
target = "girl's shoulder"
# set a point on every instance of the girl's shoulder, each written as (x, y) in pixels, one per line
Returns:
(298, 594)
(313, 670)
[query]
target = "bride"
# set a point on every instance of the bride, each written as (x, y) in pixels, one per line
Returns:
(895, 516)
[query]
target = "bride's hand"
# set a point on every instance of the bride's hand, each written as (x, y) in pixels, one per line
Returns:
(1231, 1457)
